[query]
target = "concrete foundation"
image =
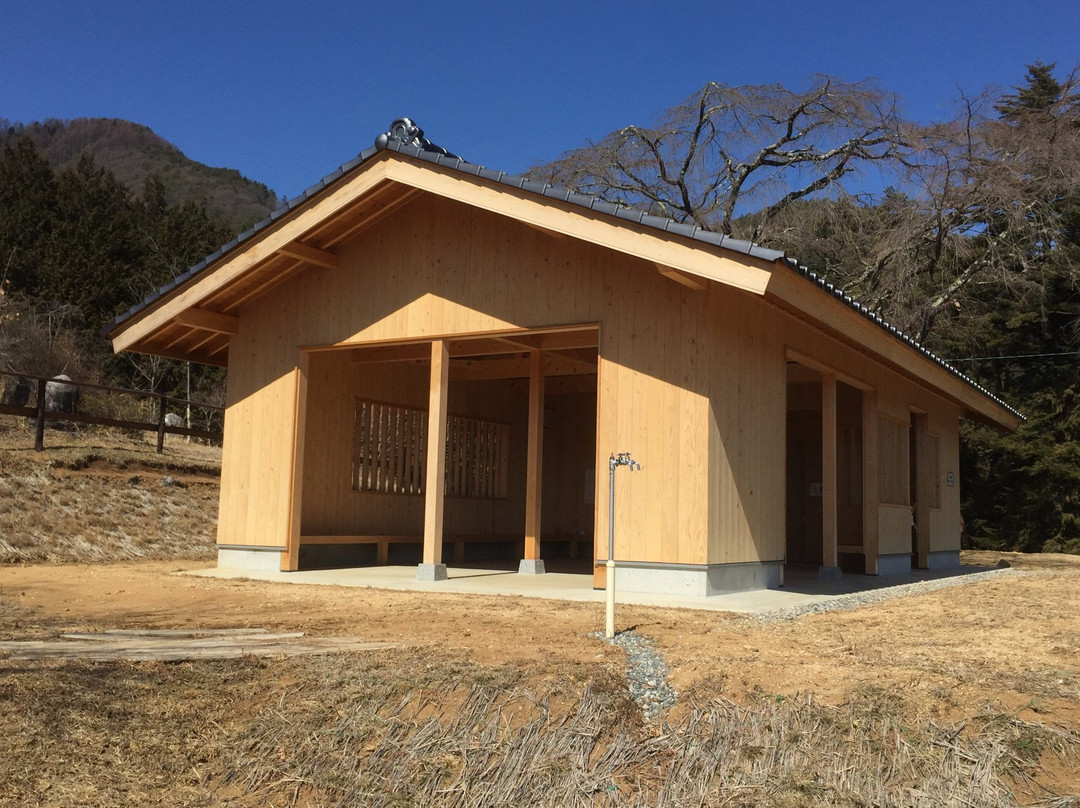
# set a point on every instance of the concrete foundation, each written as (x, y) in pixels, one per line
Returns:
(531, 566)
(829, 574)
(431, 572)
(944, 559)
(695, 581)
(899, 564)
(262, 559)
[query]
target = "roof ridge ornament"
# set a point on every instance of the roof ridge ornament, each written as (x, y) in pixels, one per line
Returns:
(406, 133)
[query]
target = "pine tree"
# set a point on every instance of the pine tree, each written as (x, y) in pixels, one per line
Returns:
(1041, 92)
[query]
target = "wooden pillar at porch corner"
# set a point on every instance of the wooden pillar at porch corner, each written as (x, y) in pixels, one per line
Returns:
(534, 472)
(828, 472)
(290, 559)
(870, 492)
(435, 480)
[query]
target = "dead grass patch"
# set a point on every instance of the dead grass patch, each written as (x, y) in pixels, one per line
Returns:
(97, 496)
(417, 728)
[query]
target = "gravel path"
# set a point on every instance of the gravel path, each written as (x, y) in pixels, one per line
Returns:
(646, 674)
(855, 599)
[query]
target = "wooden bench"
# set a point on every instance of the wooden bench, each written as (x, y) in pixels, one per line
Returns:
(382, 543)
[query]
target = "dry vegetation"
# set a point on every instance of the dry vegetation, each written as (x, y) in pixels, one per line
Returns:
(960, 697)
(65, 504)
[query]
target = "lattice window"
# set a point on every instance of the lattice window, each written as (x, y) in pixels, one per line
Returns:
(390, 446)
(476, 458)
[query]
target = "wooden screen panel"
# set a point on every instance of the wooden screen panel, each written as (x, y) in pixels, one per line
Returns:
(893, 467)
(389, 443)
(476, 454)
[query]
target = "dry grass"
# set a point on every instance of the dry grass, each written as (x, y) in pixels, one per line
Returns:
(416, 728)
(98, 496)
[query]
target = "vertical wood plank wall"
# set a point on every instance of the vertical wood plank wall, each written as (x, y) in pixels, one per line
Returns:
(692, 383)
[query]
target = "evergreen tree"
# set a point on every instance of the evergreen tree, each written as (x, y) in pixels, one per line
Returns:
(1041, 92)
(28, 214)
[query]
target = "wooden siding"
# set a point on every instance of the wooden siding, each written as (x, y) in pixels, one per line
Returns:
(893, 462)
(894, 531)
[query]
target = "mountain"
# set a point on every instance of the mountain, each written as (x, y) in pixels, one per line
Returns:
(133, 152)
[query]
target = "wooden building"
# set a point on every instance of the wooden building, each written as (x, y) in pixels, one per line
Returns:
(429, 360)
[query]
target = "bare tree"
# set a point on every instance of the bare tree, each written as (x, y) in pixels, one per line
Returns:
(978, 202)
(728, 151)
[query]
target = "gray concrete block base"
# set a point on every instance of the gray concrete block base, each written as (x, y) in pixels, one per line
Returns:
(944, 559)
(898, 564)
(260, 559)
(431, 572)
(695, 580)
(829, 574)
(531, 566)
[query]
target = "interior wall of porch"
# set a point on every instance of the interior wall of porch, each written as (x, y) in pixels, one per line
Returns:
(332, 507)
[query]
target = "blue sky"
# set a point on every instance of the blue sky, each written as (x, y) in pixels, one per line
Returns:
(286, 92)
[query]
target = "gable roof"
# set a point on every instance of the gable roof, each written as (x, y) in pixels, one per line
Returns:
(407, 141)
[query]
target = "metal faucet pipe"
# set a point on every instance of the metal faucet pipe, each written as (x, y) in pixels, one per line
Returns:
(622, 459)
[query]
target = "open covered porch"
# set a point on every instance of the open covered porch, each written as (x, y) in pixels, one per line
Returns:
(475, 448)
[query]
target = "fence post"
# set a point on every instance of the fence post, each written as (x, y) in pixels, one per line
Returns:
(39, 433)
(161, 424)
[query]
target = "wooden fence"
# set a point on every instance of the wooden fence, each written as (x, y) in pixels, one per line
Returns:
(33, 405)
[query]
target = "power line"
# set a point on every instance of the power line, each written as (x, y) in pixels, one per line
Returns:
(1014, 356)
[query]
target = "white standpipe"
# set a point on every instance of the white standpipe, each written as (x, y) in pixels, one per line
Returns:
(622, 459)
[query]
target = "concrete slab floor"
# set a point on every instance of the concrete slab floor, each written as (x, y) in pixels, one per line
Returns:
(800, 587)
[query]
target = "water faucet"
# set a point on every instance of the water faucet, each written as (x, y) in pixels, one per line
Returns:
(623, 459)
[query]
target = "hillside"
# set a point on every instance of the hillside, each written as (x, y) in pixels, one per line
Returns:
(133, 152)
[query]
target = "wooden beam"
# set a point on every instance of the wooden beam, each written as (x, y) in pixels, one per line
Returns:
(435, 481)
(208, 321)
(483, 346)
(553, 340)
(310, 254)
(689, 281)
(517, 368)
(391, 353)
(870, 495)
(828, 471)
(534, 472)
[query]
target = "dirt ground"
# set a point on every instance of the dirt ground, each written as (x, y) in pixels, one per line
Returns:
(1008, 647)
(1015, 640)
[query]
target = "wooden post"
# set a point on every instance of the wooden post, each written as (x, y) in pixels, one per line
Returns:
(534, 472)
(290, 559)
(162, 402)
(435, 479)
(870, 494)
(39, 430)
(829, 561)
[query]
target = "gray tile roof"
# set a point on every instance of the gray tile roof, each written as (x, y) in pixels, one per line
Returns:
(422, 149)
